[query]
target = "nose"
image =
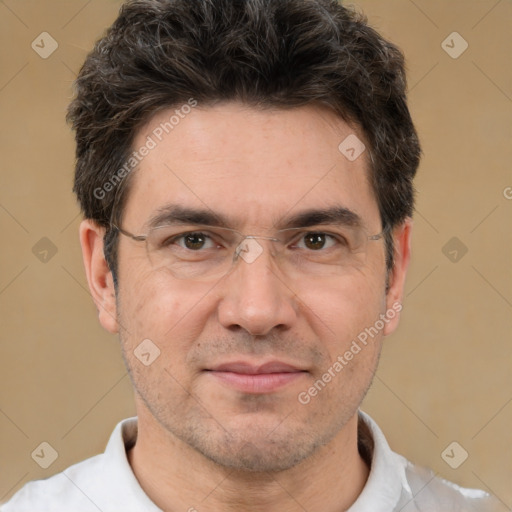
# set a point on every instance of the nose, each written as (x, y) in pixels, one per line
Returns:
(255, 295)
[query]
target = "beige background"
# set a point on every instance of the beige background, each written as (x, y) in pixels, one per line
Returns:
(445, 375)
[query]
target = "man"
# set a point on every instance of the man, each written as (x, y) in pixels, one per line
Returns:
(245, 171)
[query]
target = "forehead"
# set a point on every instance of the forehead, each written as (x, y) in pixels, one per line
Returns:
(251, 165)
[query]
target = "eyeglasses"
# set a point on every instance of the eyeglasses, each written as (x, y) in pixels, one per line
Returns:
(206, 252)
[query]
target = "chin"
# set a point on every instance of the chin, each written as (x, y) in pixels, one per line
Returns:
(260, 456)
(259, 447)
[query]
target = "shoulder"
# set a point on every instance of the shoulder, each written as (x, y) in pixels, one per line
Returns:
(425, 491)
(397, 484)
(61, 492)
(104, 482)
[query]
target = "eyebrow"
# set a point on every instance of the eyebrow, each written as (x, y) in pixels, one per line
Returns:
(174, 214)
(332, 215)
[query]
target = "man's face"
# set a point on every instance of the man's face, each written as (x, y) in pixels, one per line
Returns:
(257, 170)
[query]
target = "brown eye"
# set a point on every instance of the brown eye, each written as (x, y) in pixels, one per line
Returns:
(315, 241)
(194, 241)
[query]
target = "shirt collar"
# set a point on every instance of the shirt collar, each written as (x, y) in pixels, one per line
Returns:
(387, 479)
(116, 462)
(386, 482)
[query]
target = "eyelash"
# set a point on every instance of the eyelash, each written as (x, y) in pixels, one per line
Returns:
(296, 240)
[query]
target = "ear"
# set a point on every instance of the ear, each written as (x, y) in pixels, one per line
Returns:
(402, 255)
(99, 276)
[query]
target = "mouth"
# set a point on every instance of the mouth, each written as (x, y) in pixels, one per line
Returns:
(256, 378)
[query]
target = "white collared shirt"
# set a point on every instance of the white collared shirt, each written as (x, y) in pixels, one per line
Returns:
(107, 483)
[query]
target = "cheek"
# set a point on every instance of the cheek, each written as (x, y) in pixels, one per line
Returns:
(169, 312)
(339, 312)
(164, 319)
(343, 319)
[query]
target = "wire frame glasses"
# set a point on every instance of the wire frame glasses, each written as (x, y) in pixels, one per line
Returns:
(206, 252)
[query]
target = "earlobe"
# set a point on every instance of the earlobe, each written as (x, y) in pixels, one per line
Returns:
(402, 255)
(99, 276)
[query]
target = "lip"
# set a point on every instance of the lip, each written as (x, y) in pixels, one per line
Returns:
(256, 378)
(245, 367)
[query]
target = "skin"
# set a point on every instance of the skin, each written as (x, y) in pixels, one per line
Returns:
(201, 443)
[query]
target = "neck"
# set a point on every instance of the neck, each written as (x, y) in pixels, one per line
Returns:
(176, 477)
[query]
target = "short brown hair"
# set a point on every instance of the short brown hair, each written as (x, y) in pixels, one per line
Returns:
(265, 53)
